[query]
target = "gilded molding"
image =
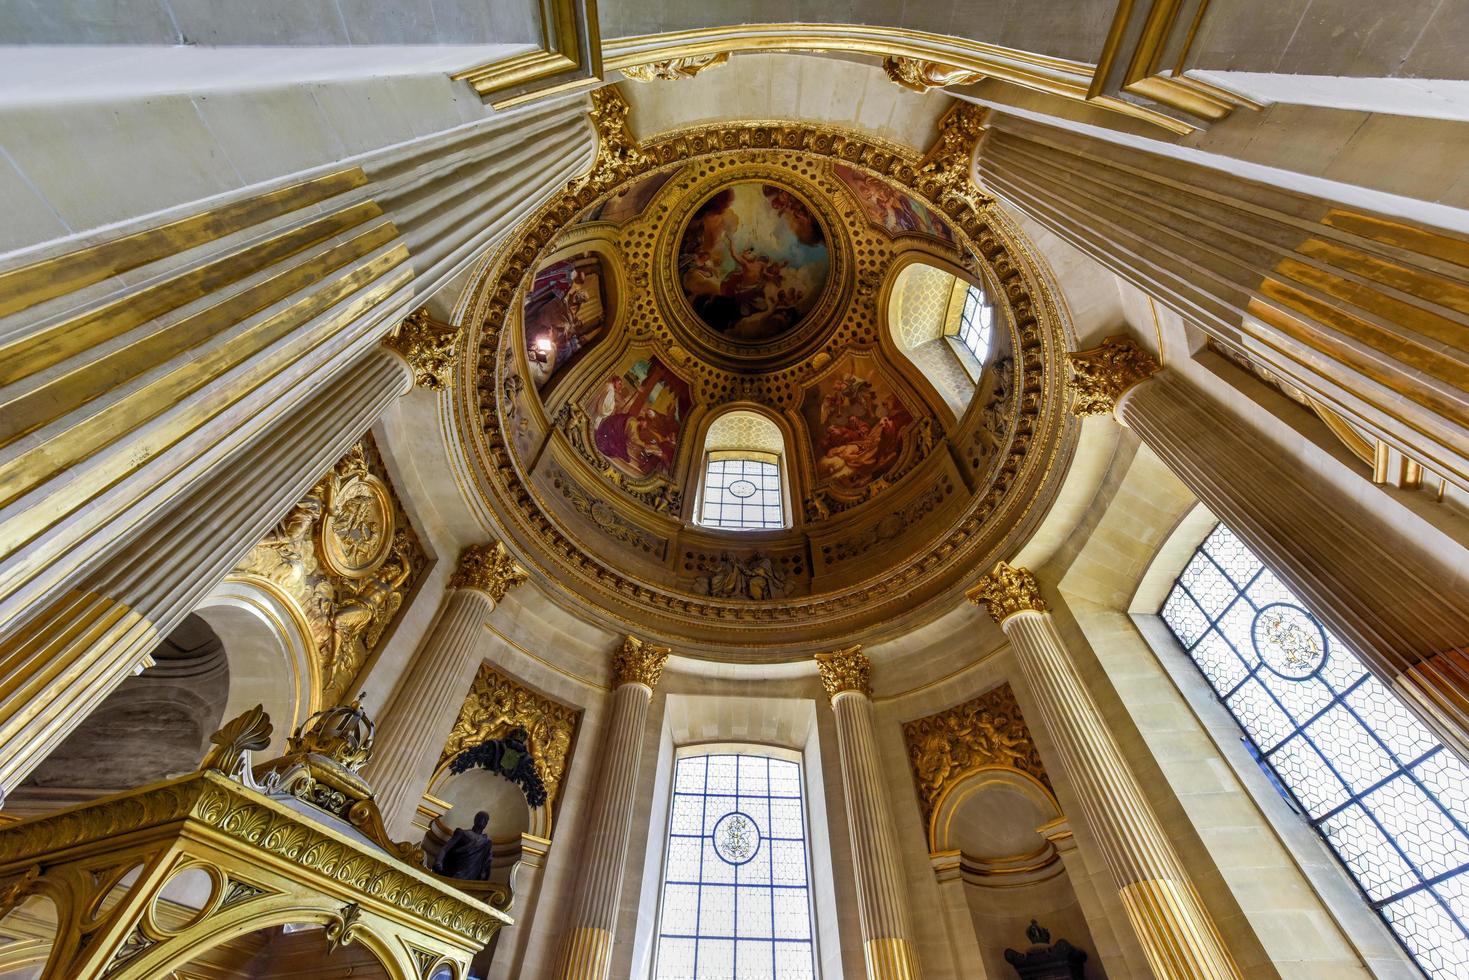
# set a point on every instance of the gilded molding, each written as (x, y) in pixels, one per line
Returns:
(947, 169)
(985, 732)
(495, 705)
(1102, 375)
(1008, 590)
(638, 662)
(918, 75)
(488, 568)
(569, 56)
(675, 68)
(428, 346)
(845, 670)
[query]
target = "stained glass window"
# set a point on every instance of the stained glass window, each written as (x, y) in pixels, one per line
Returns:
(976, 323)
(1390, 801)
(742, 492)
(736, 894)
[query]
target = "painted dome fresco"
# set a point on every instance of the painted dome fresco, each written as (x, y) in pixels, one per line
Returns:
(759, 388)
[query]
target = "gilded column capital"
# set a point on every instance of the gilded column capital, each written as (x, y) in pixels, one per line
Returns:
(428, 346)
(488, 568)
(638, 662)
(918, 75)
(1102, 375)
(845, 670)
(674, 68)
(1008, 590)
(947, 169)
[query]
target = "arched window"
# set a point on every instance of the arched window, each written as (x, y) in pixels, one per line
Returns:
(744, 485)
(1390, 801)
(945, 326)
(736, 881)
(976, 325)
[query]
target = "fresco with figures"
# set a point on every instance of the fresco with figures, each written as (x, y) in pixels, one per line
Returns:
(637, 415)
(892, 210)
(565, 314)
(857, 422)
(629, 202)
(753, 261)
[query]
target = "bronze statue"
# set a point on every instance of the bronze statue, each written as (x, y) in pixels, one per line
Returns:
(467, 854)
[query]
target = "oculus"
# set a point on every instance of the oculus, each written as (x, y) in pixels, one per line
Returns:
(752, 261)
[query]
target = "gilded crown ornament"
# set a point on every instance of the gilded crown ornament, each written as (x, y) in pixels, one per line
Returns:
(428, 345)
(1102, 375)
(845, 670)
(918, 75)
(488, 568)
(675, 68)
(638, 662)
(1008, 590)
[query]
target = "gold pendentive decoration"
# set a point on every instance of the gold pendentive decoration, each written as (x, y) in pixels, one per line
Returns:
(428, 345)
(987, 732)
(495, 705)
(488, 568)
(345, 559)
(675, 68)
(1007, 590)
(946, 172)
(1102, 375)
(619, 157)
(919, 75)
(845, 670)
(638, 662)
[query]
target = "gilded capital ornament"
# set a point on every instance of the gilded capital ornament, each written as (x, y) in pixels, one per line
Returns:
(488, 568)
(918, 75)
(428, 346)
(674, 68)
(638, 662)
(1008, 590)
(845, 670)
(1102, 375)
(946, 170)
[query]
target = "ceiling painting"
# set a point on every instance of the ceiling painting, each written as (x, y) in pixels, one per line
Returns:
(565, 314)
(637, 416)
(629, 202)
(892, 210)
(857, 423)
(753, 261)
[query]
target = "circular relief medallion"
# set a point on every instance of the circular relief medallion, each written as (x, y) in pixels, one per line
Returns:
(736, 838)
(753, 261)
(1290, 640)
(357, 534)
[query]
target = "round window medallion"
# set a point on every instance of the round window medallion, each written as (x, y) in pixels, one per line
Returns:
(742, 489)
(1290, 640)
(736, 838)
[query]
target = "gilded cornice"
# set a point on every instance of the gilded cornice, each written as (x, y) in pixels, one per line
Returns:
(674, 69)
(638, 662)
(1008, 590)
(488, 568)
(918, 75)
(845, 670)
(428, 346)
(987, 732)
(1102, 375)
(495, 705)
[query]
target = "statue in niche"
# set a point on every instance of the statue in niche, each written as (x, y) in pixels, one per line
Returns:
(755, 577)
(510, 757)
(467, 854)
(1043, 961)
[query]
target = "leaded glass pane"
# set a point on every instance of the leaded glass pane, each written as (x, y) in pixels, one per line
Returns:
(736, 903)
(976, 323)
(741, 493)
(1392, 803)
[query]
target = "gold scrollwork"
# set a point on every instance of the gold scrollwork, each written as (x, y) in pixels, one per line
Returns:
(675, 68)
(918, 75)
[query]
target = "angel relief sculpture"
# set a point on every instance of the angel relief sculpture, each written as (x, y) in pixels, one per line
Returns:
(346, 558)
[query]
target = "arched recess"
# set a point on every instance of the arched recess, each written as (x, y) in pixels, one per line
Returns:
(154, 725)
(744, 442)
(572, 306)
(941, 319)
(992, 832)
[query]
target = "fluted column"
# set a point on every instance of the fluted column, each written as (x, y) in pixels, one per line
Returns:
(76, 650)
(421, 713)
(586, 952)
(1175, 930)
(882, 897)
(1377, 590)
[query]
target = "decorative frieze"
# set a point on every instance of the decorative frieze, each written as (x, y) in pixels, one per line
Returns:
(1102, 375)
(1007, 590)
(845, 670)
(488, 568)
(638, 662)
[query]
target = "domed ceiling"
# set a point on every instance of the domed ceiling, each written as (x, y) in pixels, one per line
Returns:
(750, 267)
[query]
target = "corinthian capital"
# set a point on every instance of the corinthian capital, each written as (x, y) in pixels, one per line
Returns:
(638, 662)
(845, 670)
(1102, 375)
(1008, 590)
(428, 346)
(488, 568)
